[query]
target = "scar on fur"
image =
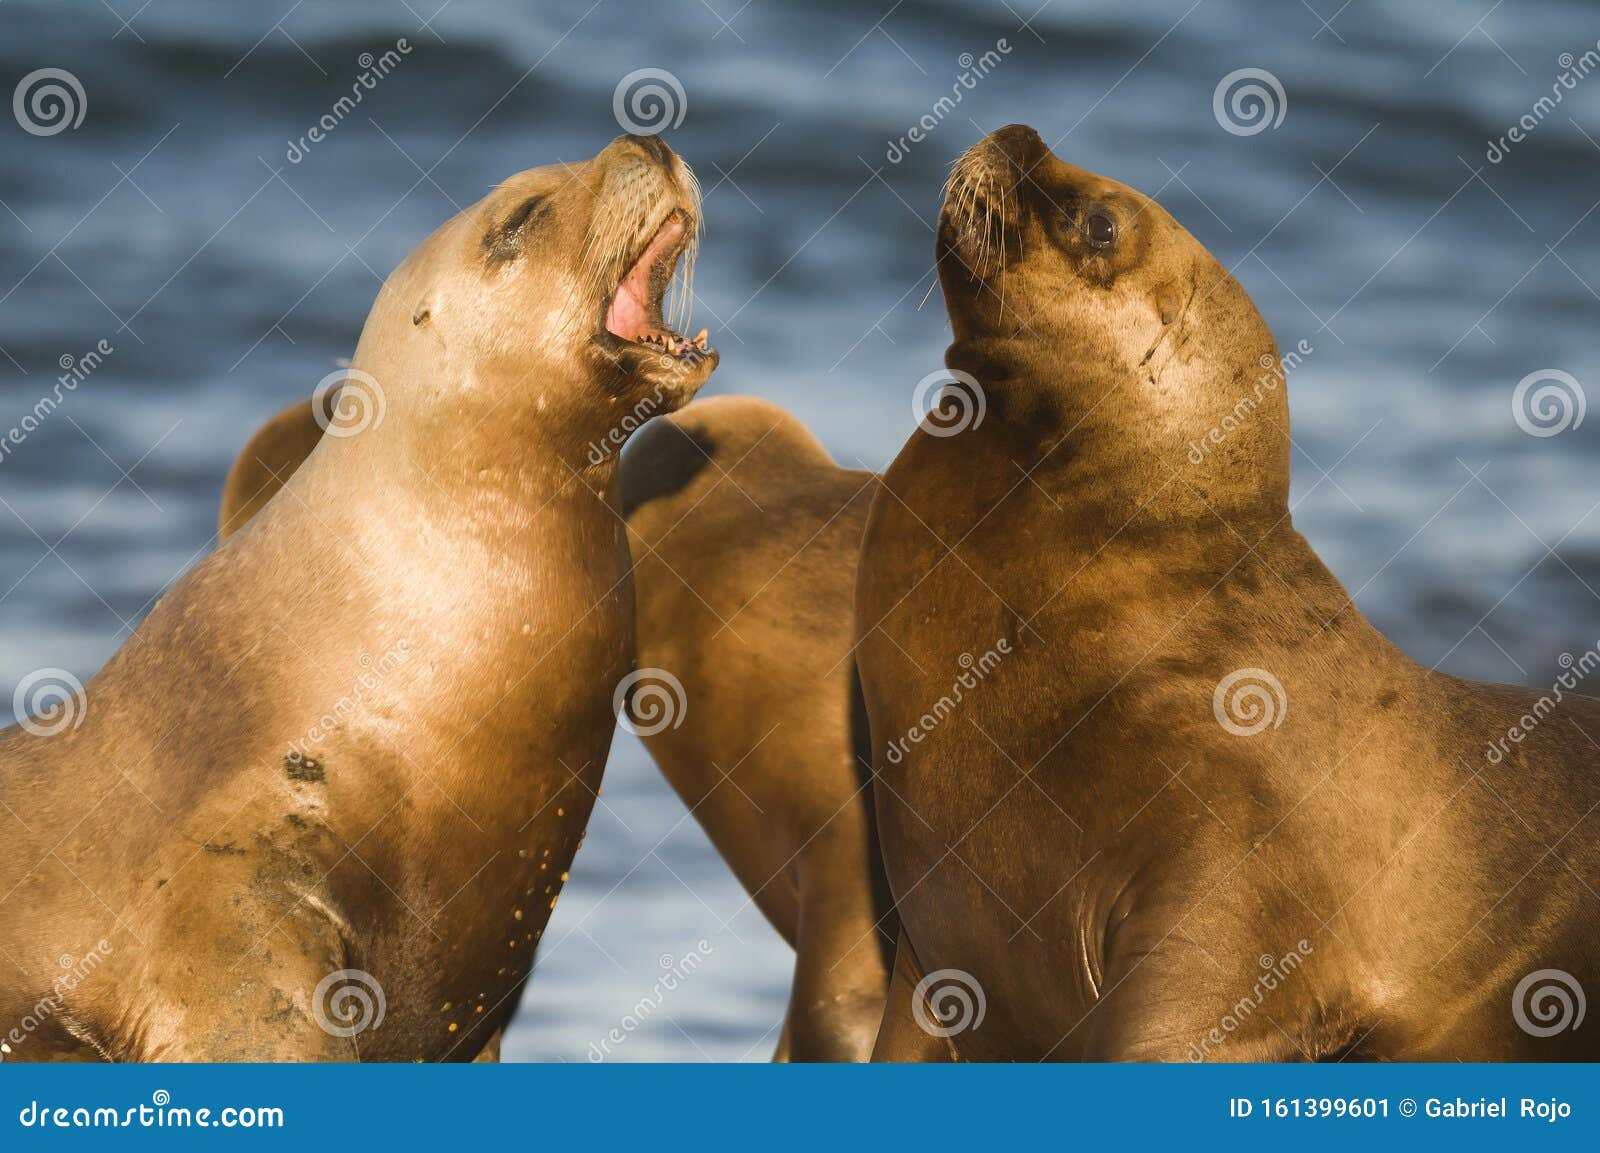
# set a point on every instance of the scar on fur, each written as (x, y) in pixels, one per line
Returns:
(1167, 300)
(305, 769)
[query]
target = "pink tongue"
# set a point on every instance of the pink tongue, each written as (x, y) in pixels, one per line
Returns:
(628, 316)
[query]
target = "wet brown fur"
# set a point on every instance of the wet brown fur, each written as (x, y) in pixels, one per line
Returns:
(745, 534)
(745, 537)
(467, 531)
(1080, 836)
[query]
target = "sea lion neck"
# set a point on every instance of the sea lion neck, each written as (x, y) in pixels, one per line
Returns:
(451, 499)
(1091, 442)
(460, 438)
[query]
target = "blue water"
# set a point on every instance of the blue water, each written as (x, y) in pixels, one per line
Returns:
(227, 280)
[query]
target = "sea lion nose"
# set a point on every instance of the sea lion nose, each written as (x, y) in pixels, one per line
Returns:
(1020, 143)
(652, 146)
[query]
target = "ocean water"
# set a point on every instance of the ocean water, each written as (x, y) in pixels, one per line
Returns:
(228, 271)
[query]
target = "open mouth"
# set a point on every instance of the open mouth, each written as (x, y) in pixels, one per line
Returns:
(634, 313)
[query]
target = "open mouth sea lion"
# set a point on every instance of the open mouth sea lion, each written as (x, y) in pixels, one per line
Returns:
(322, 802)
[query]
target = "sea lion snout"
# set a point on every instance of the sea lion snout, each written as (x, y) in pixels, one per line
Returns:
(1019, 143)
(645, 221)
(1009, 195)
(977, 221)
(652, 146)
(649, 161)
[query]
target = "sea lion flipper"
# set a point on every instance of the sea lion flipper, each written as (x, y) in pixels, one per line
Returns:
(902, 1037)
(267, 461)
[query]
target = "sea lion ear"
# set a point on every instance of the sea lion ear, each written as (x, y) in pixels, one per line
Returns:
(1168, 302)
(423, 311)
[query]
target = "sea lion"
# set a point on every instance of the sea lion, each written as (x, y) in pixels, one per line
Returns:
(745, 535)
(278, 448)
(290, 846)
(1187, 804)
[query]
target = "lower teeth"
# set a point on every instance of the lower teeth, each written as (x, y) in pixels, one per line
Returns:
(676, 345)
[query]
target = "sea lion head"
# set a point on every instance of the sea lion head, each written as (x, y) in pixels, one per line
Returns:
(1084, 308)
(539, 314)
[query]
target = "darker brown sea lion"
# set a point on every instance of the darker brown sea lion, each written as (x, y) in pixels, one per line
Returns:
(745, 535)
(321, 804)
(1196, 807)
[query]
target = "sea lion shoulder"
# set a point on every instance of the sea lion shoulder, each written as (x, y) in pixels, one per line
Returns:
(676, 460)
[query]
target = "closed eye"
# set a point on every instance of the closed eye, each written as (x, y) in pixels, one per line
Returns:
(505, 242)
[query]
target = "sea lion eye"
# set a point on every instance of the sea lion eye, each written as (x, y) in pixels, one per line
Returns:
(505, 243)
(1100, 229)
